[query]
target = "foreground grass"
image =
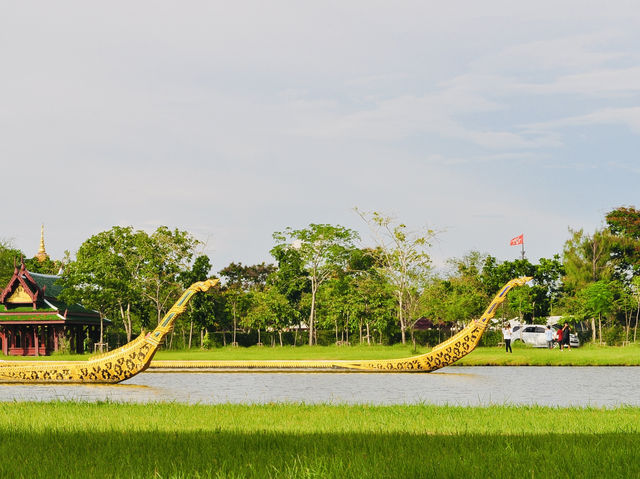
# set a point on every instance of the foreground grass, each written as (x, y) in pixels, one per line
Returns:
(587, 355)
(109, 440)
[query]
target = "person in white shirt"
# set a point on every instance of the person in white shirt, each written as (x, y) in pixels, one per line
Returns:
(506, 334)
(548, 335)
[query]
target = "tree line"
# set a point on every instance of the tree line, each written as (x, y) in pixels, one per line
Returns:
(324, 286)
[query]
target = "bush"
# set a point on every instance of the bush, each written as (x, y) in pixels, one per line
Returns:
(491, 338)
(613, 335)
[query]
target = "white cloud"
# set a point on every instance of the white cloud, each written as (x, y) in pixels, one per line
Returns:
(608, 83)
(629, 117)
(559, 54)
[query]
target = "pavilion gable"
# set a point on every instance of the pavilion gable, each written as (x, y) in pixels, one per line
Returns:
(22, 289)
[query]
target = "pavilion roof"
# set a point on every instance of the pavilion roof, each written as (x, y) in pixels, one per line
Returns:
(49, 283)
(34, 297)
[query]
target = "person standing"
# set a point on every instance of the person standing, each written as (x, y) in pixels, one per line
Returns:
(566, 336)
(559, 339)
(548, 335)
(506, 334)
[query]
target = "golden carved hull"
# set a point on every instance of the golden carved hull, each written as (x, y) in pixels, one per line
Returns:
(136, 356)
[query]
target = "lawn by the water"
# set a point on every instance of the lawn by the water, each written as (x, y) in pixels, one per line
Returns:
(587, 355)
(109, 440)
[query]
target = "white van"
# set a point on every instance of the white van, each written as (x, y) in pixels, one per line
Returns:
(534, 335)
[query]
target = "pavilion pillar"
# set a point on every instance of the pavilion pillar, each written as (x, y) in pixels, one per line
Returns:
(79, 342)
(5, 340)
(94, 334)
(36, 341)
(70, 335)
(55, 338)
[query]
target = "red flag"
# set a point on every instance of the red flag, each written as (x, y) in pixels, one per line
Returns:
(517, 240)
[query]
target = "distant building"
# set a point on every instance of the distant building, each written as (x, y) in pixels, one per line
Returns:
(34, 322)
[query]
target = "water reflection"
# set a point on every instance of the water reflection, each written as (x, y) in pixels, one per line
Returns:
(549, 386)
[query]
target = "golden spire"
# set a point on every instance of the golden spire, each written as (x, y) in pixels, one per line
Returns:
(42, 254)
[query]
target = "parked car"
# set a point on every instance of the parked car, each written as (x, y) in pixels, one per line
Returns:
(534, 335)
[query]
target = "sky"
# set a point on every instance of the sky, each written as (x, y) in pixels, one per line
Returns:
(233, 120)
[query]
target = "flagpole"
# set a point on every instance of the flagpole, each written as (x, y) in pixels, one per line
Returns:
(522, 247)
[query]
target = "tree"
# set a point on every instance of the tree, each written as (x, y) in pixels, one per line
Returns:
(624, 304)
(597, 300)
(104, 275)
(270, 310)
(587, 259)
(166, 254)
(46, 266)
(118, 271)
(333, 306)
(240, 280)
(403, 260)
(635, 292)
(624, 226)
(9, 258)
(322, 249)
(373, 305)
(624, 221)
(200, 307)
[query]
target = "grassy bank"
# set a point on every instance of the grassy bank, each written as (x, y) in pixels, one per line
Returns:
(483, 356)
(587, 355)
(103, 440)
(262, 352)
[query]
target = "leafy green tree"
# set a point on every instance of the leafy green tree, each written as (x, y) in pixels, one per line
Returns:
(403, 260)
(239, 281)
(635, 293)
(9, 259)
(466, 297)
(373, 305)
(166, 254)
(117, 272)
(270, 309)
(548, 276)
(201, 308)
(46, 266)
(477, 277)
(104, 275)
(495, 274)
(290, 276)
(452, 300)
(597, 300)
(333, 306)
(624, 305)
(624, 225)
(323, 249)
(587, 259)
(624, 221)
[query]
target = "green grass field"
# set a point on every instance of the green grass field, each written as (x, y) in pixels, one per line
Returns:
(109, 440)
(483, 356)
(587, 355)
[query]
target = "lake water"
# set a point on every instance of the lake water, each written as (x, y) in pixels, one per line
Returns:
(548, 386)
